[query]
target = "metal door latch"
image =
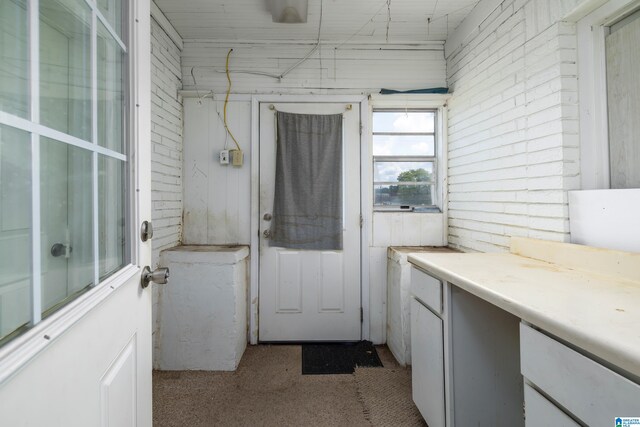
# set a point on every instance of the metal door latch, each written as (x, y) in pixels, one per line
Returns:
(159, 276)
(146, 231)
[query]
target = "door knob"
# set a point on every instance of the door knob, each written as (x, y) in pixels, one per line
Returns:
(58, 249)
(267, 233)
(159, 276)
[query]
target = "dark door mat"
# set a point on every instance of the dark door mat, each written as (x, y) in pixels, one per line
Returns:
(338, 358)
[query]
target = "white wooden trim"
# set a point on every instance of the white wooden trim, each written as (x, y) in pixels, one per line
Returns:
(443, 170)
(592, 90)
(366, 210)
(18, 352)
(208, 93)
(34, 86)
(583, 8)
(254, 266)
(402, 100)
(94, 138)
(255, 198)
(161, 19)
(34, 128)
(435, 45)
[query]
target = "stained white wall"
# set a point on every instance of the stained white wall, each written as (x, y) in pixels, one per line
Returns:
(217, 198)
(166, 145)
(513, 124)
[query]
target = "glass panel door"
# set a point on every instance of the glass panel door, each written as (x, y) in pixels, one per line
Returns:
(15, 230)
(63, 156)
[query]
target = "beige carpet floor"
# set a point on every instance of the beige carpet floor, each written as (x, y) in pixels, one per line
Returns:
(268, 389)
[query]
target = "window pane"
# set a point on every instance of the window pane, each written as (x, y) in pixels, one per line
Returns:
(110, 91)
(112, 11)
(65, 66)
(403, 145)
(402, 171)
(111, 216)
(67, 222)
(14, 58)
(401, 121)
(15, 229)
(623, 100)
(401, 195)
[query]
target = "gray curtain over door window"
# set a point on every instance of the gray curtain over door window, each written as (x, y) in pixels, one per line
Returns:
(307, 205)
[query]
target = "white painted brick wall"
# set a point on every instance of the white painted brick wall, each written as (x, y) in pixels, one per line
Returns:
(166, 141)
(513, 127)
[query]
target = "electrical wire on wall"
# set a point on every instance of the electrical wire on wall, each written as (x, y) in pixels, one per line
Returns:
(210, 94)
(226, 102)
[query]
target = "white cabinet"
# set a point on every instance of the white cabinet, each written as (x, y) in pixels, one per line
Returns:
(591, 392)
(540, 412)
(427, 354)
(465, 357)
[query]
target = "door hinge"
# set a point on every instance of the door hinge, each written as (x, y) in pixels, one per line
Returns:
(361, 220)
(361, 315)
(360, 128)
(146, 231)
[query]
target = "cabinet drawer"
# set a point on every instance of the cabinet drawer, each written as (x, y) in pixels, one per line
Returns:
(427, 289)
(427, 356)
(538, 411)
(591, 392)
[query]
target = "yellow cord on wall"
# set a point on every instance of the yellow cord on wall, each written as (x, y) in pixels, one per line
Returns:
(226, 101)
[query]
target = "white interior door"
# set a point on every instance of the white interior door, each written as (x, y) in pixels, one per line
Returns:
(310, 295)
(75, 324)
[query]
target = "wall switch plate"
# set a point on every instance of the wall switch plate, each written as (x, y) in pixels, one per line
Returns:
(237, 157)
(224, 157)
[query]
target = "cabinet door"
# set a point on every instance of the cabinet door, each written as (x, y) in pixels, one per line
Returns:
(539, 412)
(427, 355)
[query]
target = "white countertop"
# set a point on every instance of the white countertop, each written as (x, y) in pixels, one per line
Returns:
(596, 312)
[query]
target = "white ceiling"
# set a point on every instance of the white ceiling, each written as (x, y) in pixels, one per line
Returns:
(353, 21)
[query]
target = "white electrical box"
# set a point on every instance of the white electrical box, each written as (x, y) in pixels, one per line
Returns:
(224, 157)
(237, 157)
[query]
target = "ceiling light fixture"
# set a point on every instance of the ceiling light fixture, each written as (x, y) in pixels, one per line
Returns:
(289, 11)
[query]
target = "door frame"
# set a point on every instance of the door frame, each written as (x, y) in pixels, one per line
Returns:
(365, 199)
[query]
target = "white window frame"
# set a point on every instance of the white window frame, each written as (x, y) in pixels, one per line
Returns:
(408, 158)
(435, 102)
(592, 28)
(17, 351)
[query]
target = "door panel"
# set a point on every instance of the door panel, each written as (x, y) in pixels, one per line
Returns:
(74, 382)
(427, 359)
(331, 298)
(311, 295)
(289, 282)
(118, 389)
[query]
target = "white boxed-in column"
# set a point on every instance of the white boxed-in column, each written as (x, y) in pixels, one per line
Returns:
(202, 311)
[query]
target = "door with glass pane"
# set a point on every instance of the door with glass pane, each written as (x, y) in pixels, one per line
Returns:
(310, 294)
(71, 304)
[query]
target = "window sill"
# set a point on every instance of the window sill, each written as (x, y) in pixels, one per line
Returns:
(426, 210)
(19, 351)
